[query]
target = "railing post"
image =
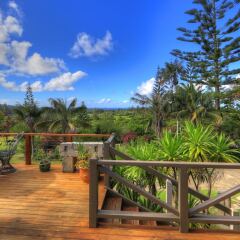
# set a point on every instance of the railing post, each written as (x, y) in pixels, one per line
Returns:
(28, 149)
(69, 138)
(183, 199)
(106, 156)
(169, 192)
(93, 193)
(235, 212)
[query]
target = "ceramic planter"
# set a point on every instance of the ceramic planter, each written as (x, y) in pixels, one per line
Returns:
(44, 166)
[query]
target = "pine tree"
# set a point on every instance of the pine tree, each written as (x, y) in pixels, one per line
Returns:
(29, 99)
(215, 35)
(29, 112)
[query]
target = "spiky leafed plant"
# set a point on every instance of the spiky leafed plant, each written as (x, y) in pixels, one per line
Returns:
(201, 144)
(60, 115)
(171, 149)
(140, 150)
(197, 146)
(198, 142)
(223, 150)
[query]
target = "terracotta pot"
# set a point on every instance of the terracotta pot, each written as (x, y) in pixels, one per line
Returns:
(84, 175)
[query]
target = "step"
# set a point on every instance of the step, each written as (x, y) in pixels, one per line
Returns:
(146, 216)
(130, 221)
(148, 223)
(112, 203)
(214, 219)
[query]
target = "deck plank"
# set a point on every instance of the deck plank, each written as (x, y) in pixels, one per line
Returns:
(54, 206)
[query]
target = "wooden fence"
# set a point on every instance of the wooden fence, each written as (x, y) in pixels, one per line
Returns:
(182, 215)
(68, 137)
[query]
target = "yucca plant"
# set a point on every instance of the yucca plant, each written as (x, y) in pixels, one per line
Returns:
(223, 150)
(198, 145)
(198, 142)
(170, 148)
(144, 151)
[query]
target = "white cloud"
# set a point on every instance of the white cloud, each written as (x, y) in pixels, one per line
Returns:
(146, 87)
(14, 6)
(10, 84)
(14, 54)
(104, 100)
(86, 45)
(37, 86)
(9, 25)
(228, 87)
(3, 54)
(16, 60)
(63, 82)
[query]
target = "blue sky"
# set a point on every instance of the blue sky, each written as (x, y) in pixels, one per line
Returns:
(98, 51)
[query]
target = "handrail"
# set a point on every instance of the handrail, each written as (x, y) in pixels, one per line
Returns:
(111, 138)
(184, 215)
(68, 136)
(59, 134)
(172, 180)
(180, 165)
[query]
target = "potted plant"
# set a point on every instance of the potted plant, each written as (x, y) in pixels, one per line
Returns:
(83, 163)
(44, 162)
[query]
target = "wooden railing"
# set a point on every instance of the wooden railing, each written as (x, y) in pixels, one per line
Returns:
(182, 214)
(68, 137)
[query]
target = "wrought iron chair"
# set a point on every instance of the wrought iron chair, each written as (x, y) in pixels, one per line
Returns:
(7, 153)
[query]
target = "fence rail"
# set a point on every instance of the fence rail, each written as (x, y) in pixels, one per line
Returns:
(181, 214)
(68, 137)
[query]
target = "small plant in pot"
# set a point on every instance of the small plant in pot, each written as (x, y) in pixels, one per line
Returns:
(44, 162)
(83, 163)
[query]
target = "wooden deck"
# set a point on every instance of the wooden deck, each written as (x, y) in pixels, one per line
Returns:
(54, 205)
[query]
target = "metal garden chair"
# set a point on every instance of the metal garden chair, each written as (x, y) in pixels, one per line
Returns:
(7, 153)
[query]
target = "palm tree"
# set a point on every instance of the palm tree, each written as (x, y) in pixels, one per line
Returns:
(192, 102)
(156, 102)
(173, 71)
(60, 115)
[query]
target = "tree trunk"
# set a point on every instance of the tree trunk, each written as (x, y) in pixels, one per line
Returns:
(217, 98)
